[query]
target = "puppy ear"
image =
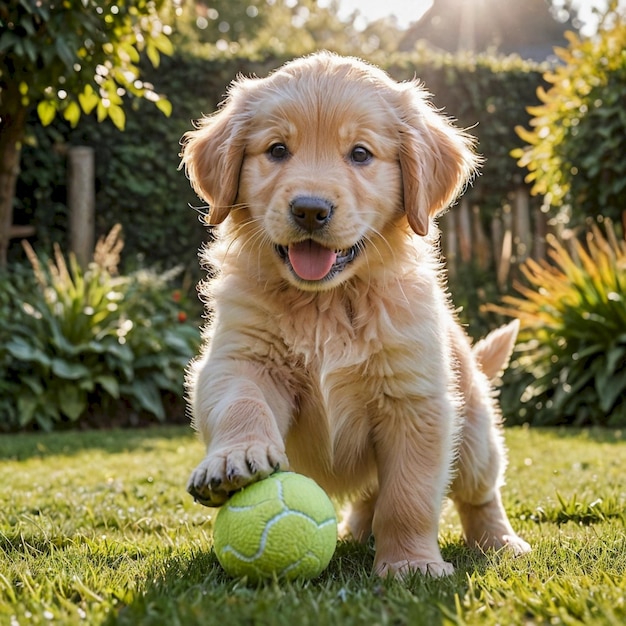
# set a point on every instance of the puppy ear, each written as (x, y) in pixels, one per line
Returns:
(436, 160)
(212, 155)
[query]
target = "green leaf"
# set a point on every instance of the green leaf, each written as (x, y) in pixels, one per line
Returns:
(72, 114)
(46, 110)
(148, 397)
(153, 54)
(59, 339)
(24, 351)
(131, 51)
(121, 352)
(616, 355)
(8, 40)
(27, 24)
(101, 111)
(165, 106)
(26, 406)
(110, 385)
(30, 50)
(35, 384)
(86, 384)
(614, 388)
(88, 99)
(69, 371)
(163, 44)
(65, 53)
(117, 116)
(73, 402)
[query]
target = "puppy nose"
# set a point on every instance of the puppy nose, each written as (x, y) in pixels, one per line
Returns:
(310, 212)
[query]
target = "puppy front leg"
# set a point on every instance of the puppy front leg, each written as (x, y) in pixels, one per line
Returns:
(414, 454)
(242, 415)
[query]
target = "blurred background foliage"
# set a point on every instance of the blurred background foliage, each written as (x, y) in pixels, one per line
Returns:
(497, 83)
(137, 180)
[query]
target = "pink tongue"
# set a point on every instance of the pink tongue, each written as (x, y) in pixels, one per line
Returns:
(310, 261)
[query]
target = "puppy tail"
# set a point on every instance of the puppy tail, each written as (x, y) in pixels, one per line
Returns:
(494, 351)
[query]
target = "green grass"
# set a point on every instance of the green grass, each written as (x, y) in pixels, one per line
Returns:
(96, 528)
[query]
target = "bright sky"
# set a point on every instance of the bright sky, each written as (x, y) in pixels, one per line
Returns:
(407, 11)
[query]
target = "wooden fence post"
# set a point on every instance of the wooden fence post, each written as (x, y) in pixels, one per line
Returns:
(81, 201)
(481, 242)
(506, 248)
(522, 234)
(541, 230)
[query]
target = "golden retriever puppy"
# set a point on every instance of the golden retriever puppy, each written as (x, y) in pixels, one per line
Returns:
(333, 348)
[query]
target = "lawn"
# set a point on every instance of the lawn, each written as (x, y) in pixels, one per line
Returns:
(96, 528)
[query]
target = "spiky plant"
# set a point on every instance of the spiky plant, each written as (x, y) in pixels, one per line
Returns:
(571, 366)
(84, 341)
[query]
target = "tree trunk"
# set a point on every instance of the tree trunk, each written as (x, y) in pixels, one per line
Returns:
(12, 128)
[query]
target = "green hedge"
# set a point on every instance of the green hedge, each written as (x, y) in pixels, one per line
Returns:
(486, 95)
(138, 181)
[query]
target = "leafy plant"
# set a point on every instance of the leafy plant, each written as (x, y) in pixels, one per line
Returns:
(580, 127)
(69, 58)
(572, 363)
(80, 342)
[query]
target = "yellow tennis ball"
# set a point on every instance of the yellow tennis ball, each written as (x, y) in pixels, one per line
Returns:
(284, 526)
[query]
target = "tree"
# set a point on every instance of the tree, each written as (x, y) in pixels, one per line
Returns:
(209, 21)
(527, 28)
(283, 28)
(70, 57)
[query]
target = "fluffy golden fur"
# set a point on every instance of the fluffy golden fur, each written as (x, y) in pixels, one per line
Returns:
(333, 348)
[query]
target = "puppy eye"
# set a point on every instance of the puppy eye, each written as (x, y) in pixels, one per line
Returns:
(360, 154)
(278, 151)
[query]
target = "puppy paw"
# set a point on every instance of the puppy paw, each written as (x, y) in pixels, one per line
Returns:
(356, 520)
(223, 472)
(487, 527)
(400, 569)
(516, 544)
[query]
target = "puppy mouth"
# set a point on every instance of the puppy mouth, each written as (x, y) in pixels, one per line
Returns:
(312, 262)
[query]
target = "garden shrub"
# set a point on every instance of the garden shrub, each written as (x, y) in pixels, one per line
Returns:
(574, 152)
(88, 344)
(571, 364)
(487, 95)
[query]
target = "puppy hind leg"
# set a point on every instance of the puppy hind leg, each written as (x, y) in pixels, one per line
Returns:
(476, 487)
(357, 518)
(486, 526)
(482, 458)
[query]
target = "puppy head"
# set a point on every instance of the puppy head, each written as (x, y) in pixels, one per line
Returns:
(323, 160)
